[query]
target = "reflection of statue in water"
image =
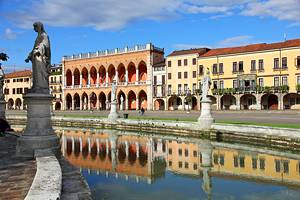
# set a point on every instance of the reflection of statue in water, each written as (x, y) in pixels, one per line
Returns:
(1, 83)
(40, 56)
(206, 83)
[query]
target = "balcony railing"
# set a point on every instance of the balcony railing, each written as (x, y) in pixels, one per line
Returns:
(257, 89)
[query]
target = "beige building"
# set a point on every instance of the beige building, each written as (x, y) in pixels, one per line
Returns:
(15, 85)
(182, 79)
(55, 84)
(159, 87)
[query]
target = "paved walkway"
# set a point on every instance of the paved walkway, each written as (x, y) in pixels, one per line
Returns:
(16, 174)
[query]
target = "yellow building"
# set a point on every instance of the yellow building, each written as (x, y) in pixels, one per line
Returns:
(55, 84)
(15, 85)
(182, 79)
(257, 76)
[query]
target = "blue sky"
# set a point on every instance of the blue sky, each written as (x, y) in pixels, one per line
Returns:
(76, 26)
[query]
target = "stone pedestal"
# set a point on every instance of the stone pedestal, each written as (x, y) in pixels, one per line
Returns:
(38, 133)
(205, 120)
(113, 115)
(2, 109)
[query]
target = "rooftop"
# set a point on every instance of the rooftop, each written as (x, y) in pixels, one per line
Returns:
(252, 48)
(23, 73)
(198, 51)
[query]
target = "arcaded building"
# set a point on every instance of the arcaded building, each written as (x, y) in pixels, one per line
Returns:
(88, 78)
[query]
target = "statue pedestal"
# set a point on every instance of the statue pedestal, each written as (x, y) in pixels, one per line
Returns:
(205, 120)
(38, 133)
(2, 109)
(113, 115)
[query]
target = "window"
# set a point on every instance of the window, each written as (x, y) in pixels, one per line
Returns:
(179, 88)
(262, 163)
(253, 65)
(6, 91)
(170, 151)
(180, 152)
(180, 164)
(185, 62)
(235, 161)
(254, 163)
(169, 63)
(216, 159)
(194, 88)
(163, 79)
(215, 83)
(221, 68)
(234, 83)
(298, 61)
(200, 70)
(179, 75)
(276, 63)
(234, 67)
(286, 166)
(194, 74)
(25, 90)
(186, 153)
(195, 153)
(276, 81)
(195, 166)
(261, 65)
(155, 80)
(241, 66)
(186, 88)
(215, 68)
(277, 165)
(14, 80)
(261, 82)
(186, 165)
(194, 61)
(222, 160)
(185, 75)
(179, 62)
(169, 89)
(284, 62)
(298, 80)
(170, 163)
(14, 91)
(284, 80)
(169, 76)
(242, 162)
(221, 84)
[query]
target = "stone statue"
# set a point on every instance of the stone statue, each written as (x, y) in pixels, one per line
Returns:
(40, 56)
(114, 90)
(121, 102)
(1, 83)
(206, 83)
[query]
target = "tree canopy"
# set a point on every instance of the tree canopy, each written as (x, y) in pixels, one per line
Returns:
(3, 56)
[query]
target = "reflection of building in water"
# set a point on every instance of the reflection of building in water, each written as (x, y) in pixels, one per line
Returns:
(126, 156)
(144, 158)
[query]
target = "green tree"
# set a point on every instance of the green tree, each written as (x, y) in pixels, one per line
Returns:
(3, 57)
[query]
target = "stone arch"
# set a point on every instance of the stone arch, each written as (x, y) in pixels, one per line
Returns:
(131, 72)
(10, 104)
(57, 106)
(121, 94)
(18, 104)
(102, 101)
(85, 76)
(269, 102)
(159, 104)
(102, 75)
(121, 72)
(194, 103)
(247, 100)
(84, 100)
(93, 100)
(131, 100)
(93, 73)
(228, 102)
(142, 100)
(76, 101)
(76, 77)
(111, 73)
(142, 71)
(175, 103)
(68, 77)
(68, 102)
(291, 101)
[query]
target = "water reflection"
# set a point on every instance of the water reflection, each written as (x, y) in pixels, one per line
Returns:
(145, 159)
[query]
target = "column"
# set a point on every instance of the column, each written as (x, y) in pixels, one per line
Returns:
(98, 145)
(238, 102)
(106, 79)
(280, 101)
(97, 103)
(258, 102)
(80, 80)
(65, 81)
(89, 79)
(137, 103)
(126, 148)
(137, 75)
(73, 144)
(97, 80)
(73, 81)
(89, 104)
(117, 77)
(126, 102)
(137, 149)
(73, 103)
(126, 77)
(218, 102)
(106, 144)
(63, 143)
(89, 144)
(80, 142)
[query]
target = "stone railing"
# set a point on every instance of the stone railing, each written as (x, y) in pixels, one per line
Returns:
(112, 52)
(257, 89)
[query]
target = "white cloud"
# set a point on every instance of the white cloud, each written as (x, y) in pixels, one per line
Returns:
(236, 41)
(115, 14)
(9, 34)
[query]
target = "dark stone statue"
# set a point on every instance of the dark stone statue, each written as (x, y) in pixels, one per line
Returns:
(40, 56)
(1, 83)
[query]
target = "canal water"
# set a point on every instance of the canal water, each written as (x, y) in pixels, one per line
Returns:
(128, 165)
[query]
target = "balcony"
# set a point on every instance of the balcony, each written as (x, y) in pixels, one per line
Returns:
(257, 89)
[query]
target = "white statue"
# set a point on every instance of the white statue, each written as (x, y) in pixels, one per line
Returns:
(114, 90)
(1, 83)
(206, 83)
(121, 102)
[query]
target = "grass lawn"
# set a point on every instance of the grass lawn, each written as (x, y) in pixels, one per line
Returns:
(296, 126)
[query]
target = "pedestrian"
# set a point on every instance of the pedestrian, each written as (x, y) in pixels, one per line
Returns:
(142, 111)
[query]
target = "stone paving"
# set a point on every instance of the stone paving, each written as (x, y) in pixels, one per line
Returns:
(16, 174)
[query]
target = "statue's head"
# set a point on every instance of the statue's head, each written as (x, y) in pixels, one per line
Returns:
(38, 27)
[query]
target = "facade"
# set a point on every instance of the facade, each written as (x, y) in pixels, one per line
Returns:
(88, 78)
(159, 87)
(15, 85)
(258, 76)
(182, 79)
(55, 84)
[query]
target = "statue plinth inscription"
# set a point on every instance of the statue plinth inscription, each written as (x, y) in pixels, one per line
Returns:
(39, 133)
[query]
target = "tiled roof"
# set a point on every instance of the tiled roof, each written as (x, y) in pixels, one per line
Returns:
(198, 51)
(252, 48)
(24, 73)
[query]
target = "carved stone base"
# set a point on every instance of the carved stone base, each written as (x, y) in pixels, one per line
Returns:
(38, 133)
(113, 115)
(2, 109)
(205, 120)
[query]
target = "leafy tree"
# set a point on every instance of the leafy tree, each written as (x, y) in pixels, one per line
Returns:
(3, 57)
